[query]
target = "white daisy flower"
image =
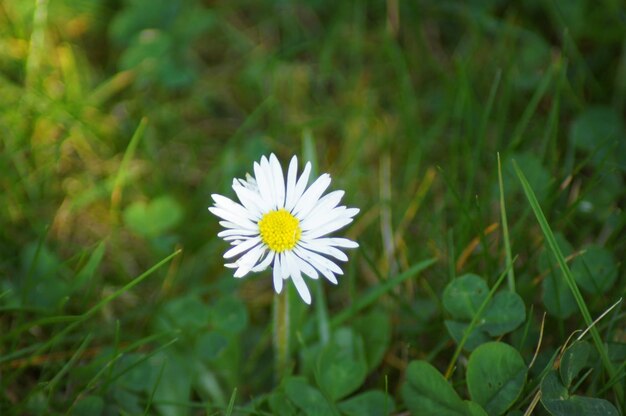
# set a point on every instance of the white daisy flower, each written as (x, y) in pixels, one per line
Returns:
(284, 225)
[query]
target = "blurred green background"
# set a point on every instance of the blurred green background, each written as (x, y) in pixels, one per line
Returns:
(119, 118)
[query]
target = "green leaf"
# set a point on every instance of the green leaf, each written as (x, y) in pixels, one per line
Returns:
(597, 203)
(596, 130)
(186, 313)
(573, 360)
(171, 383)
(308, 359)
(475, 338)
(376, 342)
(529, 67)
(474, 409)
(427, 392)
(47, 291)
(210, 345)
(88, 406)
(41, 283)
(341, 366)
(557, 400)
(617, 351)
(154, 218)
(505, 312)
(595, 270)
(496, 374)
(370, 403)
(464, 295)
(307, 398)
(126, 402)
(280, 405)
(229, 315)
(37, 260)
(557, 296)
(136, 370)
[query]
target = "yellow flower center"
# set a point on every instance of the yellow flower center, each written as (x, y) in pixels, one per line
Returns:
(280, 230)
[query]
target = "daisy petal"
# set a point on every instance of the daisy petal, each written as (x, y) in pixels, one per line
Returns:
(269, 178)
(240, 248)
(296, 277)
(279, 181)
(278, 279)
(324, 207)
(251, 200)
(314, 258)
(330, 276)
(248, 261)
(311, 196)
(299, 188)
(237, 239)
(307, 268)
(237, 232)
(230, 205)
(315, 245)
(284, 270)
(326, 228)
(321, 219)
(318, 266)
(264, 187)
(291, 181)
(232, 217)
(231, 225)
(264, 263)
(338, 242)
(248, 183)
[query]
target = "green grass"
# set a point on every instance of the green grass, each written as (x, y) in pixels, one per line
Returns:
(484, 138)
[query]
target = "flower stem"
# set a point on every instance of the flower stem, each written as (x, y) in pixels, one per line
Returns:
(281, 334)
(323, 325)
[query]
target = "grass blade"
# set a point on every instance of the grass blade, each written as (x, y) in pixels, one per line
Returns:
(231, 403)
(118, 185)
(80, 319)
(66, 367)
(154, 389)
(569, 278)
(37, 46)
(505, 231)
